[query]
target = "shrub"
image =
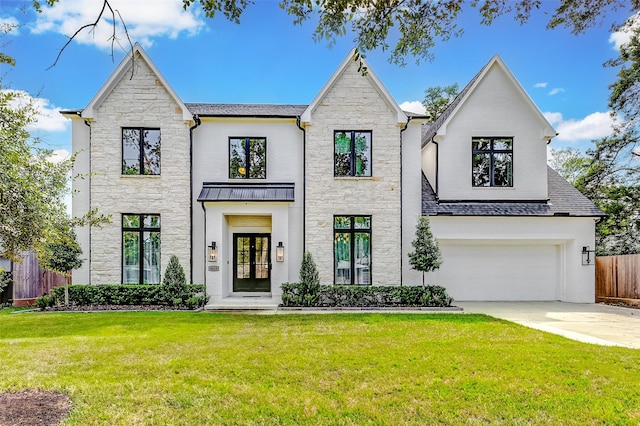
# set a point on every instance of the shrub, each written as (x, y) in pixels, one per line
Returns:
(298, 295)
(129, 294)
(45, 301)
(174, 283)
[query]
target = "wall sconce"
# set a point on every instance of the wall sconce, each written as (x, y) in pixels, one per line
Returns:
(280, 252)
(213, 252)
(588, 256)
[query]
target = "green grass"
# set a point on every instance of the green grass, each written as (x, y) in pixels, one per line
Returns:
(199, 368)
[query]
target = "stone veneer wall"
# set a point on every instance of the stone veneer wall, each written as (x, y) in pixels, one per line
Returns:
(139, 101)
(353, 103)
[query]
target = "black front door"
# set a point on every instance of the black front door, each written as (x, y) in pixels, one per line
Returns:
(252, 262)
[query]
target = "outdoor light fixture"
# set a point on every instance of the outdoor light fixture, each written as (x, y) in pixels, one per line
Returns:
(280, 252)
(213, 252)
(588, 256)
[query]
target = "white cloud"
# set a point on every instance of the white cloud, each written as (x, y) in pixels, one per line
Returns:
(413, 106)
(10, 22)
(623, 36)
(541, 85)
(145, 20)
(59, 155)
(593, 126)
(48, 118)
(555, 91)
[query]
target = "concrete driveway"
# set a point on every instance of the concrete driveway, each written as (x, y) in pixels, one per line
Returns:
(590, 323)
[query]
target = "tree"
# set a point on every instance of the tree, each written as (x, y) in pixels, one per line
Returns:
(438, 98)
(426, 257)
(308, 271)
(174, 283)
(32, 186)
(608, 175)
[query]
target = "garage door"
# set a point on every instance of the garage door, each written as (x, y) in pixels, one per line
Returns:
(499, 271)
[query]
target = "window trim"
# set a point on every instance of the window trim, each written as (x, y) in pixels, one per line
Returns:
(352, 230)
(141, 169)
(247, 141)
(491, 151)
(141, 229)
(352, 154)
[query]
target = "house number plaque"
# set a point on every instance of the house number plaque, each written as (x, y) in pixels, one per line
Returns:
(214, 268)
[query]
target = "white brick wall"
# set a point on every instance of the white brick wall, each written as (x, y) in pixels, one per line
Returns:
(353, 103)
(141, 101)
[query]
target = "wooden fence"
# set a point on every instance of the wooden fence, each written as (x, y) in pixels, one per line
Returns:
(618, 279)
(29, 281)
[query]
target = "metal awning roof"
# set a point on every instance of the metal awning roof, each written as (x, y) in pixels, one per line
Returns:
(215, 191)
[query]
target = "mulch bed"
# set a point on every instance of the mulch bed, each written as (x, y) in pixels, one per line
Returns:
(92, 308)
(33, 407)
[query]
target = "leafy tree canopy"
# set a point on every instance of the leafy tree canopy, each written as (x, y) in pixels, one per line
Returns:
(438, 98)
(426, 257)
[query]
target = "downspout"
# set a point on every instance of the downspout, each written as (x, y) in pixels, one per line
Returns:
(401, 202)
(197, 122)
(88, 124)
(304, 185)
(204, 240)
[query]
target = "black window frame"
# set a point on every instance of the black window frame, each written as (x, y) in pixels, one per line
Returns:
(491, 152)
(247, 159)
(352, 230)
(141, 169)
(140, 229)
(352, 154)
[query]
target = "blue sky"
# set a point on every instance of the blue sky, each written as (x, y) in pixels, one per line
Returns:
(267, 59)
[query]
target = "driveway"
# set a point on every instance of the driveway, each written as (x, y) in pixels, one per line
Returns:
(589, 323)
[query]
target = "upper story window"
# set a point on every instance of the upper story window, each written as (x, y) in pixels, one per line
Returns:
(352, 155)
(352, 250)
(140, 151)
(140, 249)
(492, 161)
(247, 158)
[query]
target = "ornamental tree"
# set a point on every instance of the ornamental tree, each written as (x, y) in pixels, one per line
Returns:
(426, 257)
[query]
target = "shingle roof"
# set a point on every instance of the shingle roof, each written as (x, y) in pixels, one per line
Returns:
(246, 110)
(212, 191)
(564, 200)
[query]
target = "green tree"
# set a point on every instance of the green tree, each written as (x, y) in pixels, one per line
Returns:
(308, 271)
(33, 213)
(426, 257)
(438, 98)
(174, 283)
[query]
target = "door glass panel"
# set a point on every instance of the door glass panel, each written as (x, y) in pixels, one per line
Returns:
(243, 258)
(262, 257)
(362, 254)
(131, 257)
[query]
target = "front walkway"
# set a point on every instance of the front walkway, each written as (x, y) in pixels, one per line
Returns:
(591, 323)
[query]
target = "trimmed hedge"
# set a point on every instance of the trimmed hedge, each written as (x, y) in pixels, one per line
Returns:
(300, 295)
(127, 294)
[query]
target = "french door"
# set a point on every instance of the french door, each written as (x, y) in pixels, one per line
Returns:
(252, 262)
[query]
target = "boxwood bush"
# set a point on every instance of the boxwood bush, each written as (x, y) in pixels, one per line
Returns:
(128, 294)
(302, 295)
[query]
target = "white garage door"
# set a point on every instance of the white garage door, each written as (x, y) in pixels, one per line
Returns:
(499, 271)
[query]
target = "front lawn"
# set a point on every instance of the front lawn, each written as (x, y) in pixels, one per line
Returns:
(202, 368)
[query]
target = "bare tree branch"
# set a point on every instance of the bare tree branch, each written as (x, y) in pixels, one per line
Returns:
(105, 5)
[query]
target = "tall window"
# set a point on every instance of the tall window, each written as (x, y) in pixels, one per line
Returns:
(492, 161)
(352, 156)
(247, 158)
(352, 249)
(141, 249)
(140, 151)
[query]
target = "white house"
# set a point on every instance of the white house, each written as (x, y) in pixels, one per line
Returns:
(239, 192)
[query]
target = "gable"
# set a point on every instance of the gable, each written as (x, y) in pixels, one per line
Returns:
(351, 68)
(499, 87)
(138, 59)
